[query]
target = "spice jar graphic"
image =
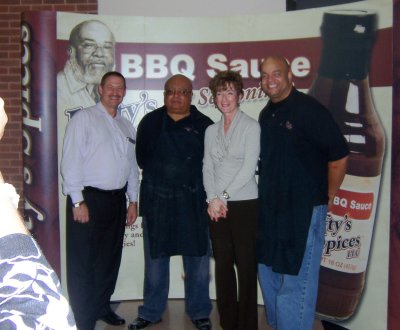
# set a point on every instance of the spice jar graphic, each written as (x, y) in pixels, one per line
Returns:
(342, 85)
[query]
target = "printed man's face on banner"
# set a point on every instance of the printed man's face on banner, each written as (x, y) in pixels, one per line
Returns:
(94, 52)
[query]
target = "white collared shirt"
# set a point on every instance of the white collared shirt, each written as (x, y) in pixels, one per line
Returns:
(99, 151)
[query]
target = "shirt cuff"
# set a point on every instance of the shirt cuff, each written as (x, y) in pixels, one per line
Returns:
(76, 197)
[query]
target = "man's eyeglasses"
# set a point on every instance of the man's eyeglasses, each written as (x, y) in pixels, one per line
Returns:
(89, 47)
(178, 92)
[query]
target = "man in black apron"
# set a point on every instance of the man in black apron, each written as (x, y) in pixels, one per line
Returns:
(169, 150)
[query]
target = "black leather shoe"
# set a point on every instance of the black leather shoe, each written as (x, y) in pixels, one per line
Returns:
(140, 323)
(112, 318)
(202, 324)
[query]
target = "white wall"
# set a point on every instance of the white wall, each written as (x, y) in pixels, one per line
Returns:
(185, 8)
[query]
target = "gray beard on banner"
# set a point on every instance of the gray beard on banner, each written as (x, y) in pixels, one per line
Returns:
(86, 74)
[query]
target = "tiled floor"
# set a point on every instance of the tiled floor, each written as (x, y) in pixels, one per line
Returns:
(175, 318)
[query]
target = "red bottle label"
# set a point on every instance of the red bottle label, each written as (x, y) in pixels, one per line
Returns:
(349, 226)
(357, 205)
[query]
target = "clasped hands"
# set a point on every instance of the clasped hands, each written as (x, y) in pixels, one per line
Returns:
(217, 209)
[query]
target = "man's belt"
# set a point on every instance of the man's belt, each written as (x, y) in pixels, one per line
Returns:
(107, 192)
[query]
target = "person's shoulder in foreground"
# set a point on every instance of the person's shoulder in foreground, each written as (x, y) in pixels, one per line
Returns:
(30, 292)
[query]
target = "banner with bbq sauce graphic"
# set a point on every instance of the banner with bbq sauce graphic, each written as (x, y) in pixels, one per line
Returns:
(147, 51)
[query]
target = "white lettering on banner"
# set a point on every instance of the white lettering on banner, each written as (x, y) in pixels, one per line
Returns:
(26, 80)
(131, 66)
(246, 68)
(156, 66)
(216, 61)
(300, 66)
(159, 66)
(29, 122)
(183, 64)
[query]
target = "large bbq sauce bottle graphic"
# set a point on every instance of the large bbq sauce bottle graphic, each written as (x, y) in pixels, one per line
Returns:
(342, 85)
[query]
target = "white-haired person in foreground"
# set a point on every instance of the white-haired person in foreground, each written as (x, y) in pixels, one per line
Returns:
(30, 292)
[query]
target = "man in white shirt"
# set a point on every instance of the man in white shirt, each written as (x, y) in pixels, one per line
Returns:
(99, 169)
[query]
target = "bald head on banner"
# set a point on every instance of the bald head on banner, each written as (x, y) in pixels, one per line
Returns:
(91, 53)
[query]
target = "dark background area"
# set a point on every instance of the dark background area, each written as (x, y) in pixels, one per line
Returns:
(306, 4)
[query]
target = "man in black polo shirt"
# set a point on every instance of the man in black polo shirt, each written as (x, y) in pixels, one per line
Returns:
(303, 163)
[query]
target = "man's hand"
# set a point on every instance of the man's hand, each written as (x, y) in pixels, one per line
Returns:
(131, 214)
(81, 213)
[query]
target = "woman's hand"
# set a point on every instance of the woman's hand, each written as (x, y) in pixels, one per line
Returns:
(217, 209)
